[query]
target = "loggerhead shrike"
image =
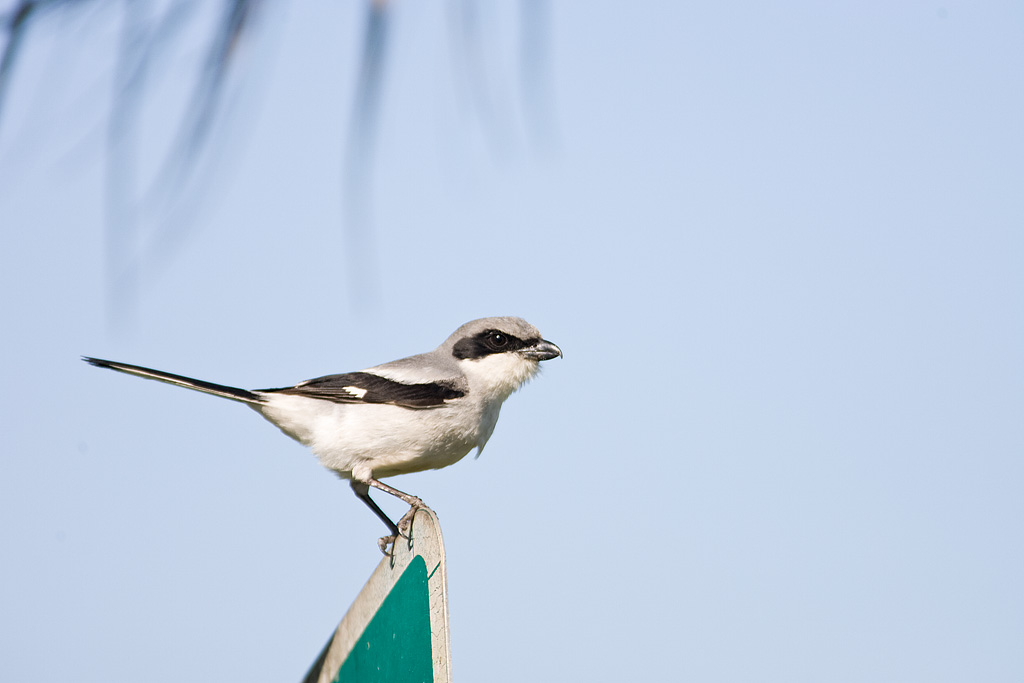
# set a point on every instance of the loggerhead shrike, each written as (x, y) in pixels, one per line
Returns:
(419, 413)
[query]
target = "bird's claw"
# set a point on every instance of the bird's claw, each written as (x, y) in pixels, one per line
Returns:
(404, 528)
(405, 523)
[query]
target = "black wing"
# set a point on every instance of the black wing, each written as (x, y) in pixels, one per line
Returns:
(365, 387)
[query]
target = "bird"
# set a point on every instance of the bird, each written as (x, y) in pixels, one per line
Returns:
(418, 413)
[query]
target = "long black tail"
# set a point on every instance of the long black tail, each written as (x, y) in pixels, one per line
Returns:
(232, 393)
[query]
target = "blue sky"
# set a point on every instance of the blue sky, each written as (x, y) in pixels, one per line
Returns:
(781, 248)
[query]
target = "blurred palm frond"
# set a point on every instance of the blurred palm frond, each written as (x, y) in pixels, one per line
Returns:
(150, 29)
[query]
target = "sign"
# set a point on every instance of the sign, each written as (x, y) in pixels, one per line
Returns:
(396, 631)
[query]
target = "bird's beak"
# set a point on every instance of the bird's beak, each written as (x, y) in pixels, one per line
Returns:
(542, 350)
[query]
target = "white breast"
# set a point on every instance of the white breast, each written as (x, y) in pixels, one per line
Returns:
(374, 439)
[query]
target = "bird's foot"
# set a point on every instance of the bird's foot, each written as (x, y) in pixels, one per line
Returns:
(405, 523)
(403, 529)
(387, 545)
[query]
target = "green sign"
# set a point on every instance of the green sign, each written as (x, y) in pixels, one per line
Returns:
(397, 629)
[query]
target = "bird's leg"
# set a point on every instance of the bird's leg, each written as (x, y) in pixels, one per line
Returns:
(411, 500)
(362, 491)
(414, 504)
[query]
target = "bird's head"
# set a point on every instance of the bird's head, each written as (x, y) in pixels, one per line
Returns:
(500, 354)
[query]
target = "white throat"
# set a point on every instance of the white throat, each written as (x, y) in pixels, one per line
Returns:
(495, 377)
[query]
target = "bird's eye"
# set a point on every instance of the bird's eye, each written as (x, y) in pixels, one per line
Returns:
(497, 339)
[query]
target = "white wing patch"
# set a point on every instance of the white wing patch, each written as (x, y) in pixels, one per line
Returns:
(355, 391)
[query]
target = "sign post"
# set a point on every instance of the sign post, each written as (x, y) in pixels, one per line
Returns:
(396, 631)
